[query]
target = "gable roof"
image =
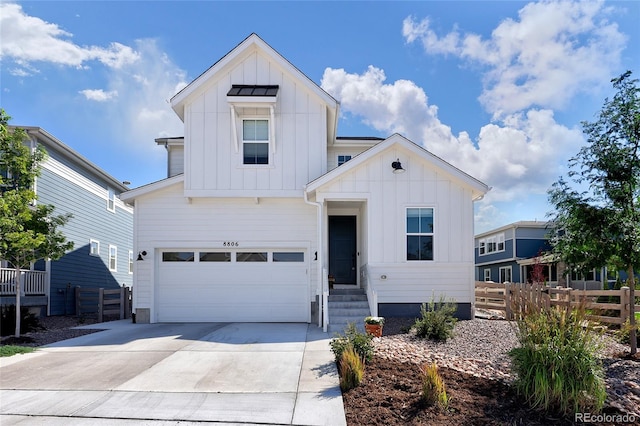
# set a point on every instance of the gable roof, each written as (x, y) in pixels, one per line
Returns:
(253, 41)
(479, 188)
(50, 141)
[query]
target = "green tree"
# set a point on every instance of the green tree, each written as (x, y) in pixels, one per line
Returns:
(601, 225)
(28, 231)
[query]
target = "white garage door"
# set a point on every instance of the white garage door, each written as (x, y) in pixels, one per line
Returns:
(233, 286)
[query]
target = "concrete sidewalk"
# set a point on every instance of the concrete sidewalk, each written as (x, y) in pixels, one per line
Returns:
(248, 373)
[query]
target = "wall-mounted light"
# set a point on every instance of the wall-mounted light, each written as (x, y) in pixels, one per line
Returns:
(141, 255)
(397, 167)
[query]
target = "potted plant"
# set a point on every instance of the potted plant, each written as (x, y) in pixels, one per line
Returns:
(373, 326)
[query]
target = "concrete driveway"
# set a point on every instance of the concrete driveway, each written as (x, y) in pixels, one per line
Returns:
(166, 374)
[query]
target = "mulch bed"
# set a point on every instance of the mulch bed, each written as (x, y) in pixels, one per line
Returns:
(390, 395)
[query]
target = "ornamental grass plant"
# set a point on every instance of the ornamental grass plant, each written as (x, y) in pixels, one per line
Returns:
(433, 388)
(351, 369)
(556, 364)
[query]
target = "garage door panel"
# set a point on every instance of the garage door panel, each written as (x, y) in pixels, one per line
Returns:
(233, 292)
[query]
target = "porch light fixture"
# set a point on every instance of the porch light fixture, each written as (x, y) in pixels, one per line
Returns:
(141, 254)
(397, 167)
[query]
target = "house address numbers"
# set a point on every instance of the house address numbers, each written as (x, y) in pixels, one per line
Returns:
(230, 244)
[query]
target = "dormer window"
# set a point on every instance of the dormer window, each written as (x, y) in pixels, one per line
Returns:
(253, 114)
(255, 141)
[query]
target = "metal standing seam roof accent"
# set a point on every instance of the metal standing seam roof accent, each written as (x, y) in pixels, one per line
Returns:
(253, 90)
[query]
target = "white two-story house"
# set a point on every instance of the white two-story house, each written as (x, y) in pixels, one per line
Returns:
(264, 203)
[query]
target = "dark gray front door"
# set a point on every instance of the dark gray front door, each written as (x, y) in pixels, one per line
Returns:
(342, 249)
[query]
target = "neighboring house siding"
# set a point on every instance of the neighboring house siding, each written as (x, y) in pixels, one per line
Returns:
(162, 219)
(71, 191)
(531, 248)
(210, 149)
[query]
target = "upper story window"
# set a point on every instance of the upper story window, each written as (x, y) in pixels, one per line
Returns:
(113, 258)
(255, 141)
(94, 247)
(420, 233)
(111, 200)
(492, 244)
(130, 262)
(343, 159)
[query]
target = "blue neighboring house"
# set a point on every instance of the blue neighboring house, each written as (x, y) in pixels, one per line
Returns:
(498, 252)
(510, 253)
(101, 230)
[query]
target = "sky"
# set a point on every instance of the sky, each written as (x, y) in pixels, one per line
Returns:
(497, 88)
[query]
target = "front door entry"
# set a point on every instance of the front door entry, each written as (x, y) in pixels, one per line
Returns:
(342, 249)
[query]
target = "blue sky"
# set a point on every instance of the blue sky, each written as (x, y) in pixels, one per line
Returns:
(497, 88)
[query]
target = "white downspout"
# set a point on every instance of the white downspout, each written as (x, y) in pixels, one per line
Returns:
(320, 261)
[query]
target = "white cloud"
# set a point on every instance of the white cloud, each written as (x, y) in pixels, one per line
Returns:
(98, 95)
(27, 39)
(520, 155)
(554, 50)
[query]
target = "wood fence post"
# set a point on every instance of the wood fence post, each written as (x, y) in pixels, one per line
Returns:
(127, 302)
(508, 313)
(625, 301)
(77, 292)
(122, 292)
(100, 303)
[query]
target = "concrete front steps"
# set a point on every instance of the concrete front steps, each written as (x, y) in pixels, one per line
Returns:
(347, 306)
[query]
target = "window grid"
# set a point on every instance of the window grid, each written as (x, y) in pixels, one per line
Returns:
(505, 274)
(420, 233)
(343, 159)
(487, 274)
(255, 141)
(491, 244)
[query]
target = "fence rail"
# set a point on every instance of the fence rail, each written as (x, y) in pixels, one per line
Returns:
(103, 302)
(509, 296)
(33, 282)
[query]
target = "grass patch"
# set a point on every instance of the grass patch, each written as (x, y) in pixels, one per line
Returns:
(10, 350)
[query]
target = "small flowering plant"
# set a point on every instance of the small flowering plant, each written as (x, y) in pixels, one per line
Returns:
(374, 320)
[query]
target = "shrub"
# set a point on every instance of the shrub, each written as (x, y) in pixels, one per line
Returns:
(351, 369)
(437, 320)
(361, 343)
(433, 389)
(556, 364)
(624, 333)
(28, 321)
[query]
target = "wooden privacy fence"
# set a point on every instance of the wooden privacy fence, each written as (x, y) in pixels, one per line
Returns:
(507, 297)
(103, 302)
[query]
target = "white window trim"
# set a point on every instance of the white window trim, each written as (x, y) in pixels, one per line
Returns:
(491, 241)
(91, 241)
(111, 200)
(432, 234)
(115, 268)
(270, 142)
(131, 262)
(505, 268)
(487, 275)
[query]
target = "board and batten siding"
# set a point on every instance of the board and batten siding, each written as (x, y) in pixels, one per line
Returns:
(388, 196)
(211, 160)
(161, 220)
(73, 192)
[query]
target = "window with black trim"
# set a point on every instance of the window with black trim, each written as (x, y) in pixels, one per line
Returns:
(419, 233)
(255, 141)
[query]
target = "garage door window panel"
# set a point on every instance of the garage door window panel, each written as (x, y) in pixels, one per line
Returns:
(288, 256)
(251, 256)
(178, 256)
(215, 257)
